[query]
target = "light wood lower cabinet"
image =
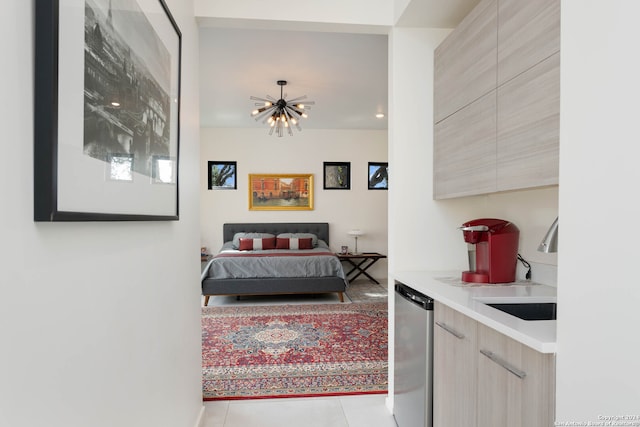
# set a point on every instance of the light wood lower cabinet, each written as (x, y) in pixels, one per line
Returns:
(482, 378)
(516, 386)
(454, 367)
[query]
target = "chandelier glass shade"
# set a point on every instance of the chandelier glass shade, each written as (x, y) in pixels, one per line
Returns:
(281, 114)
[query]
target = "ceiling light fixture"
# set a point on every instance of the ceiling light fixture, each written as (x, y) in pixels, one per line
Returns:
(281, 114)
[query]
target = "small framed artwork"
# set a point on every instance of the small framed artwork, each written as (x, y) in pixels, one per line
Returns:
(280, 192)
(222, 175)
(107, 108)
(337, 175)
(378, 177)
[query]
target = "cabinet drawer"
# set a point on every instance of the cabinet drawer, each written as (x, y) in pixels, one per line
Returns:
(516, 385)
(454, 368)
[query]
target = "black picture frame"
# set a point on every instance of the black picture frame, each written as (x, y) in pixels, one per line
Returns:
(107, 109)
(222, 175)
(337, 175)
(378, 176)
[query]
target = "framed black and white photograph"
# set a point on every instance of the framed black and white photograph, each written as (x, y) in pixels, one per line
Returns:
(378, 178)
(222, 175)
(107, 107)
(337, 175)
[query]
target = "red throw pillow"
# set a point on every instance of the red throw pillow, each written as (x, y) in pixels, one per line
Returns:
(294, 243)
(247, 244)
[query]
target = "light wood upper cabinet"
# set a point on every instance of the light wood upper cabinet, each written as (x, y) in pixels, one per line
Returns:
(454, 368)
(528, 126)
(528, 33)
(464, 157)
(516, 384)
(465, 62)
(518, 148)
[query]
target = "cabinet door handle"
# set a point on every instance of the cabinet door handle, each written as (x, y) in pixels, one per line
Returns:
(515, 371)
(450, 330)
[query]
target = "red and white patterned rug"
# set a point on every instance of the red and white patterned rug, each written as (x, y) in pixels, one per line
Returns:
(253, 352)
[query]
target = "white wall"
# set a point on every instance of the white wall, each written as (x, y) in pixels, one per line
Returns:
(415, 233)
(598, 292)
(412, 211)
(99, 322)
(367, 13)
(304, 152)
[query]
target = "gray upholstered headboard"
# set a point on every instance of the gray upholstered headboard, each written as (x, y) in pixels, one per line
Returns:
(320, 229)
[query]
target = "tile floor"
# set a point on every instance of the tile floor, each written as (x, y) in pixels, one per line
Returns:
(342, 411)
(345, 411)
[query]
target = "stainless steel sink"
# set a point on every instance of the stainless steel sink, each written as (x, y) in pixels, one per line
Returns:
(528, 310)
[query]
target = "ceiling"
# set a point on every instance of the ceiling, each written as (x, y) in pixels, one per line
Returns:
(345, 73)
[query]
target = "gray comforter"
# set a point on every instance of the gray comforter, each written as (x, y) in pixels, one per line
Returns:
(230, 263)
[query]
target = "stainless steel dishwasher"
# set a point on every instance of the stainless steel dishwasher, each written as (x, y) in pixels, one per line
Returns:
(413, 356)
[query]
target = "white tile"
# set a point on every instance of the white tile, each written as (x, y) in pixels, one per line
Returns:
(215, 413)
(367, 411)
(309, 412)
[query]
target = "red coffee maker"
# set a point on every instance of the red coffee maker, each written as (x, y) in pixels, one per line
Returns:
(493, 250)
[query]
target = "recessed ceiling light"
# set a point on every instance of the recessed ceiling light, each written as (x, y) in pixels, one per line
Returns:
(380, 115)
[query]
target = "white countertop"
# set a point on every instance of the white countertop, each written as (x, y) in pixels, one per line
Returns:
(447, 288)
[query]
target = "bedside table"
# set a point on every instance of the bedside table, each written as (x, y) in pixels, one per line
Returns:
(360, 263)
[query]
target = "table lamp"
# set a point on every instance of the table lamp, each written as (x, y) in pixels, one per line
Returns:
(550, 241)
(355, 233)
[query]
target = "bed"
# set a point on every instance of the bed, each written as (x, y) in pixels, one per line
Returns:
(307, 266)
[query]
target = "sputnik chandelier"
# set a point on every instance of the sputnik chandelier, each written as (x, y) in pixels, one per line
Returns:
(281, 114)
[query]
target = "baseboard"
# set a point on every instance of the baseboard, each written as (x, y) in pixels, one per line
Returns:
(200, 420)
(388, 402)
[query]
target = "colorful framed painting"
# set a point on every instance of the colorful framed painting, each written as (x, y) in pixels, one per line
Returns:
(337, 175)
(107, 108)
(378, 177)
(280, 192)
(222, 175)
